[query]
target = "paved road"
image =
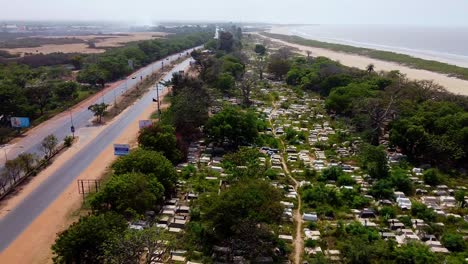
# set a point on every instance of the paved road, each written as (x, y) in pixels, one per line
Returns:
(19, 218)
(82, 117)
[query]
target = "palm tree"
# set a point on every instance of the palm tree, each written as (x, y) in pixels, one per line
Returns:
(370, 68)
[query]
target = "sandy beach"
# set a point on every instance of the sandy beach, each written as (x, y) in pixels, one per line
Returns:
(452, 84)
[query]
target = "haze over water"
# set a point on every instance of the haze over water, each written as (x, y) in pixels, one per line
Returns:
(447, 44)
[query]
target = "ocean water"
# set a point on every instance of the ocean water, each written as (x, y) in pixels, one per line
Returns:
(446, 44)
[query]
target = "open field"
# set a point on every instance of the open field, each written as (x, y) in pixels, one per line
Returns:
(74, 44)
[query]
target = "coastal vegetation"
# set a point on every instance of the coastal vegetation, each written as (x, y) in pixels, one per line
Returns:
(410, 61)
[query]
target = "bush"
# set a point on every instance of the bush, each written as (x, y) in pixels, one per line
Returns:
(310, 243)
(432, 177)
(331, 174)
(453, 242)
(312, 225)
(423, 212)
(68, 141)
(388, 212)
(345, 180)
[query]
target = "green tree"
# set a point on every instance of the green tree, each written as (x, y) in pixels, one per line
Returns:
(432, 177)
(421, 211)
(382, 189)
(129, 193)
(388, 212)
(374, 160)
(160, 138)
(92, 75)
(83, 241)
(244, 163)
(401, 181)
(77, 62)
(225, 82)
(14, 101)
(99, 110)
(133, 246)
(260, 65)
(28, 161)
(225, 41)
(13, 169)
(342, 99)
(331, 174)
(453, 242)
(460, 197)
(49, 145)
(237, 126)
(278, 67)
(66, 91)
(260, 49)
(151, 163)
(39, 94)
(188, 111)
(370, 68)
(253, 200)
(345, 180)
(415, 253)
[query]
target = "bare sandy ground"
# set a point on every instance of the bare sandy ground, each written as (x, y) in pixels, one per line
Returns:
(101, 41)
(452, 84)
(33, 245)
(52, 48)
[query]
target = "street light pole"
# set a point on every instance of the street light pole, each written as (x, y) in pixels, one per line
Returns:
(157, 96)
(115, 99)
(72, 128)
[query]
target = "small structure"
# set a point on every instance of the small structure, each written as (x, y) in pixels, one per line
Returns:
(310, 217)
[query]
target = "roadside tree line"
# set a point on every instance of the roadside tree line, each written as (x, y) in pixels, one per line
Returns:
(29, 164)
(40, 92)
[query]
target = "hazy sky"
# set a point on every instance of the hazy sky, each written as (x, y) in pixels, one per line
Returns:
(410, 12)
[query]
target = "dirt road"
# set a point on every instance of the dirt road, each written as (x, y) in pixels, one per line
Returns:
(298, 242)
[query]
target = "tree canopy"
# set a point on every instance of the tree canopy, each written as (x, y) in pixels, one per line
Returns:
(150, 163)
(160, 138)
(237, 126)
(83, 241)
(128, 193)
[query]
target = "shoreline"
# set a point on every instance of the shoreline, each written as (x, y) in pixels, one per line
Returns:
(448, 58)
(452, 84)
